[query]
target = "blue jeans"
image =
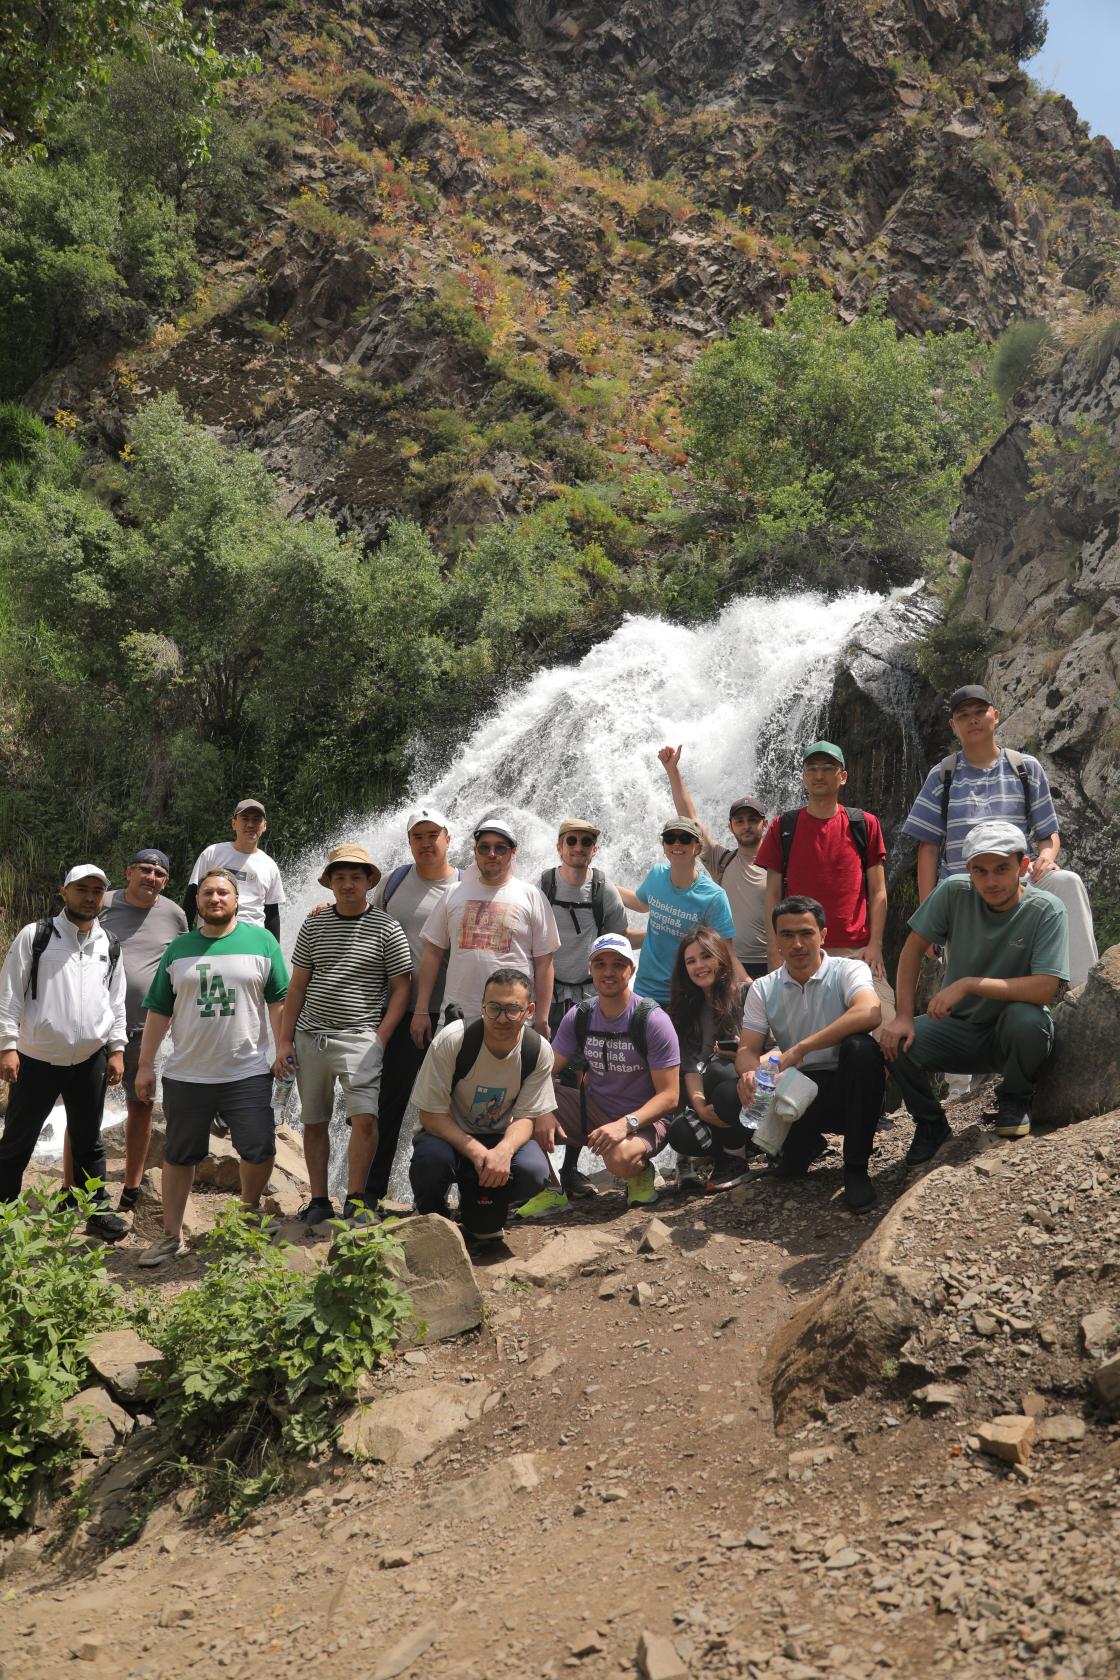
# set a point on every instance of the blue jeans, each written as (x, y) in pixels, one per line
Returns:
(436, 1166)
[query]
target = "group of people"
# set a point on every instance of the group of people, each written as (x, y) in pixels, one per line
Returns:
(528, 1022)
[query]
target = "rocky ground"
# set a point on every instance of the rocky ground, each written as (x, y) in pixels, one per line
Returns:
(611, 1494)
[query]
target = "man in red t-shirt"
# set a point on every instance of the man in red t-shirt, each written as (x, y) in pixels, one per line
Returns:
(825, 864)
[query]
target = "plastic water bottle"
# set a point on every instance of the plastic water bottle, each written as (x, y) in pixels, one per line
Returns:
(282, 1087)
(764, 1082)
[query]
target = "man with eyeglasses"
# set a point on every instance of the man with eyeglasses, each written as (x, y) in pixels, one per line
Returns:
(586, 905)
(145, 922)
(490, 920)
(677, 895)
(481, 1088)
(737, 872)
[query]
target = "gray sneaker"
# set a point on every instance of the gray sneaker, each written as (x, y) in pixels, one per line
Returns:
(166, 1247)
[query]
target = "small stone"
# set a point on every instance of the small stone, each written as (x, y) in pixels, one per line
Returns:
(1008, 1438)
(1106, 1382)
(936, 1395)
(641, 1295)
(609, 1287)
(588, 1646)
(125, 1363)
(90, 1648)
(758, 1539)
(984, 1324)
(545, 1365)
(415, 1357)
(394, 1560)
(612, 1495)
(1063, 1429)
(658, 1658)
(1098, 1332)
(405, 1652)
(1034, 1404)
(843, 1559)
(656, 1238)
(1048, 1335)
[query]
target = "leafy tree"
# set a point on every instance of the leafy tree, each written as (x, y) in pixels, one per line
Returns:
(835, 432)
(1032, 34)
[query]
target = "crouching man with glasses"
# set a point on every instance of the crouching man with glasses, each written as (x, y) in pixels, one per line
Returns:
(480, 1090)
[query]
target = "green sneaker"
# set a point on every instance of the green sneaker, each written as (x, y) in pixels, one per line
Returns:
(642, 1190)
(546, 1201)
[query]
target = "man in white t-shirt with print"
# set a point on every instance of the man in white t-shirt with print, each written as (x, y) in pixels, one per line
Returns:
(260, 891)
(482, 1087)
(219, 989)
(490, 920)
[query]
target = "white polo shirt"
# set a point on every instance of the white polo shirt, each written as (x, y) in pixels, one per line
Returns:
(779, 1004)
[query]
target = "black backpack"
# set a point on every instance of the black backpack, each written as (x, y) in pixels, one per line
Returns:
(597, 906)
(45, 931)
(472, 1044)
(635, 1030)
(949, 764)
(857, 824)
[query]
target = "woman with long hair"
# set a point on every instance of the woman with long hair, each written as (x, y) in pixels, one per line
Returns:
(706, 1007)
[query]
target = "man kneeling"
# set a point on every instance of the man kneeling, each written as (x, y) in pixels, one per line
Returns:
(1008, 952)
(479, 1090)
(821, 1011)
(630, 1085)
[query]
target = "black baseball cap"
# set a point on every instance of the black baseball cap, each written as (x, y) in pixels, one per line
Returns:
(973, 691)
(747, 803)
(152, 855)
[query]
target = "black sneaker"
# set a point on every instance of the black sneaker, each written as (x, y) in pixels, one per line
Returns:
(1010, 1118)
(359, 1212)
(797, 1166)
(129, 1199)
(317, 1209)
(859, 1192)
(577, 1186)
(929, 1135)
(105, 1223)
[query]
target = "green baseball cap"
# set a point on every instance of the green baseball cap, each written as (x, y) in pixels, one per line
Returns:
(829, 748)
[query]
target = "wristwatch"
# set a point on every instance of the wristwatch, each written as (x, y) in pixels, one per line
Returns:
(633, 1124)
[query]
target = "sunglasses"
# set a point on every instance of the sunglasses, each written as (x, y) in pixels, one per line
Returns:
(504, 1011)
(497, 850)
(676, 838)
(585, 842)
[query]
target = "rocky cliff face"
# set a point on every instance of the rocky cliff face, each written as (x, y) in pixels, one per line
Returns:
(1045, 571)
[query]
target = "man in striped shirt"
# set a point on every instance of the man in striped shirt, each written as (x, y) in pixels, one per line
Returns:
(350, 985)
(984, 782)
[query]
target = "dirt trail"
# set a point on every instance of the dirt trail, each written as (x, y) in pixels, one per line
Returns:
(629, 1478)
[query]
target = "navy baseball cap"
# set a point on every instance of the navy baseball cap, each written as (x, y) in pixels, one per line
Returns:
(152, 855)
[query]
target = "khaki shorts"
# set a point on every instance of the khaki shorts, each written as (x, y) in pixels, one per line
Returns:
(352, 1057)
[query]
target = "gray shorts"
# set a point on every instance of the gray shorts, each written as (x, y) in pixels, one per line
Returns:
(353, 1056)
(244, 1104)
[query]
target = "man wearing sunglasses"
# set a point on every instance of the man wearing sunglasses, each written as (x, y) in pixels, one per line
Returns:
(679, 896)
(145, 922)
(738, 874)
(482, 1086)
(490, 920)
(586, 905)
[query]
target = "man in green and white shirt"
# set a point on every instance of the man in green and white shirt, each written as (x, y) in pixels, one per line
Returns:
(351, 982)
(219, 990)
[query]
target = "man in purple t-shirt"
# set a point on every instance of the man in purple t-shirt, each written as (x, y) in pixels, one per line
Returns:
(629, 1086)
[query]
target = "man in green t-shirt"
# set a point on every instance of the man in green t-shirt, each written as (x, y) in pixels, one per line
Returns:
(1008, 954)
(219, 989)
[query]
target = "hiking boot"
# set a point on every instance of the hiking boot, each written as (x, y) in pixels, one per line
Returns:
(929, 1135)
(726, 1174)
(105, 1223)
(317, 1210)
(166, 1247)
(859, 1192)
(577, 1186)
(130, 1198)
(641, 1190)
(1009, 1118)
(692, 1173)
(358, 1212)
(545, 1201)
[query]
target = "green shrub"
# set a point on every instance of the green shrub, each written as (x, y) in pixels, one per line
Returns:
(1016, 357)
(955, 652)
(268, 1353)
(54, 1295)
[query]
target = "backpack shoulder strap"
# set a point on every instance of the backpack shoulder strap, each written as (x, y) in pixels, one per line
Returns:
(583, 1021)
(530, 1052)
(114, 954)
(468, 1052)
(1019, 764)
(857, 826)
(393, 881)
(639, 1026)
(598, 906)
(548, 885)
(787, 823)
(945, 770)
(44, 933)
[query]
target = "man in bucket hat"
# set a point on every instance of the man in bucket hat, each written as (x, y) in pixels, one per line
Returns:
(1008, 956)
(351, 978)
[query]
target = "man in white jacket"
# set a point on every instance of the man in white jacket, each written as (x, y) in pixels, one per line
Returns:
(62, 1035)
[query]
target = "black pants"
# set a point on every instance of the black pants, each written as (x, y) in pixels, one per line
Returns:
(436, 1166)
(30, 1100)
(691, 1137)
(399, 1067)
(849, 1100)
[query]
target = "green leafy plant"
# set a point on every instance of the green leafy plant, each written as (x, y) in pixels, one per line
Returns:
(54, 1295)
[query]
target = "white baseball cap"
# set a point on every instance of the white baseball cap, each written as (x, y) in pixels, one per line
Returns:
(425, 814)
(495, 825)
(615, 943)
(83, 871)
(994, 836)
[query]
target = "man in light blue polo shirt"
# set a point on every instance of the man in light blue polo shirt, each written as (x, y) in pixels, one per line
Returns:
(822, 1012)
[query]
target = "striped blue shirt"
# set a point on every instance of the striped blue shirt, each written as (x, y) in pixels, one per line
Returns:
(977, 795)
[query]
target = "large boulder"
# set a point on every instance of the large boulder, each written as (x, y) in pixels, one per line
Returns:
(404, 1428)
(1082, 1077)
(437, 1272)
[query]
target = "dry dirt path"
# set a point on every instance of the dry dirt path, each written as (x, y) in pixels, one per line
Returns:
(627, 1478)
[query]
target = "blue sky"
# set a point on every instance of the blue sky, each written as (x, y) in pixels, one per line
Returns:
(1080, 59)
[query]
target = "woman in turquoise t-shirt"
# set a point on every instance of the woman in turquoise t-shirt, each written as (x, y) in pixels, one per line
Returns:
(678, 895)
